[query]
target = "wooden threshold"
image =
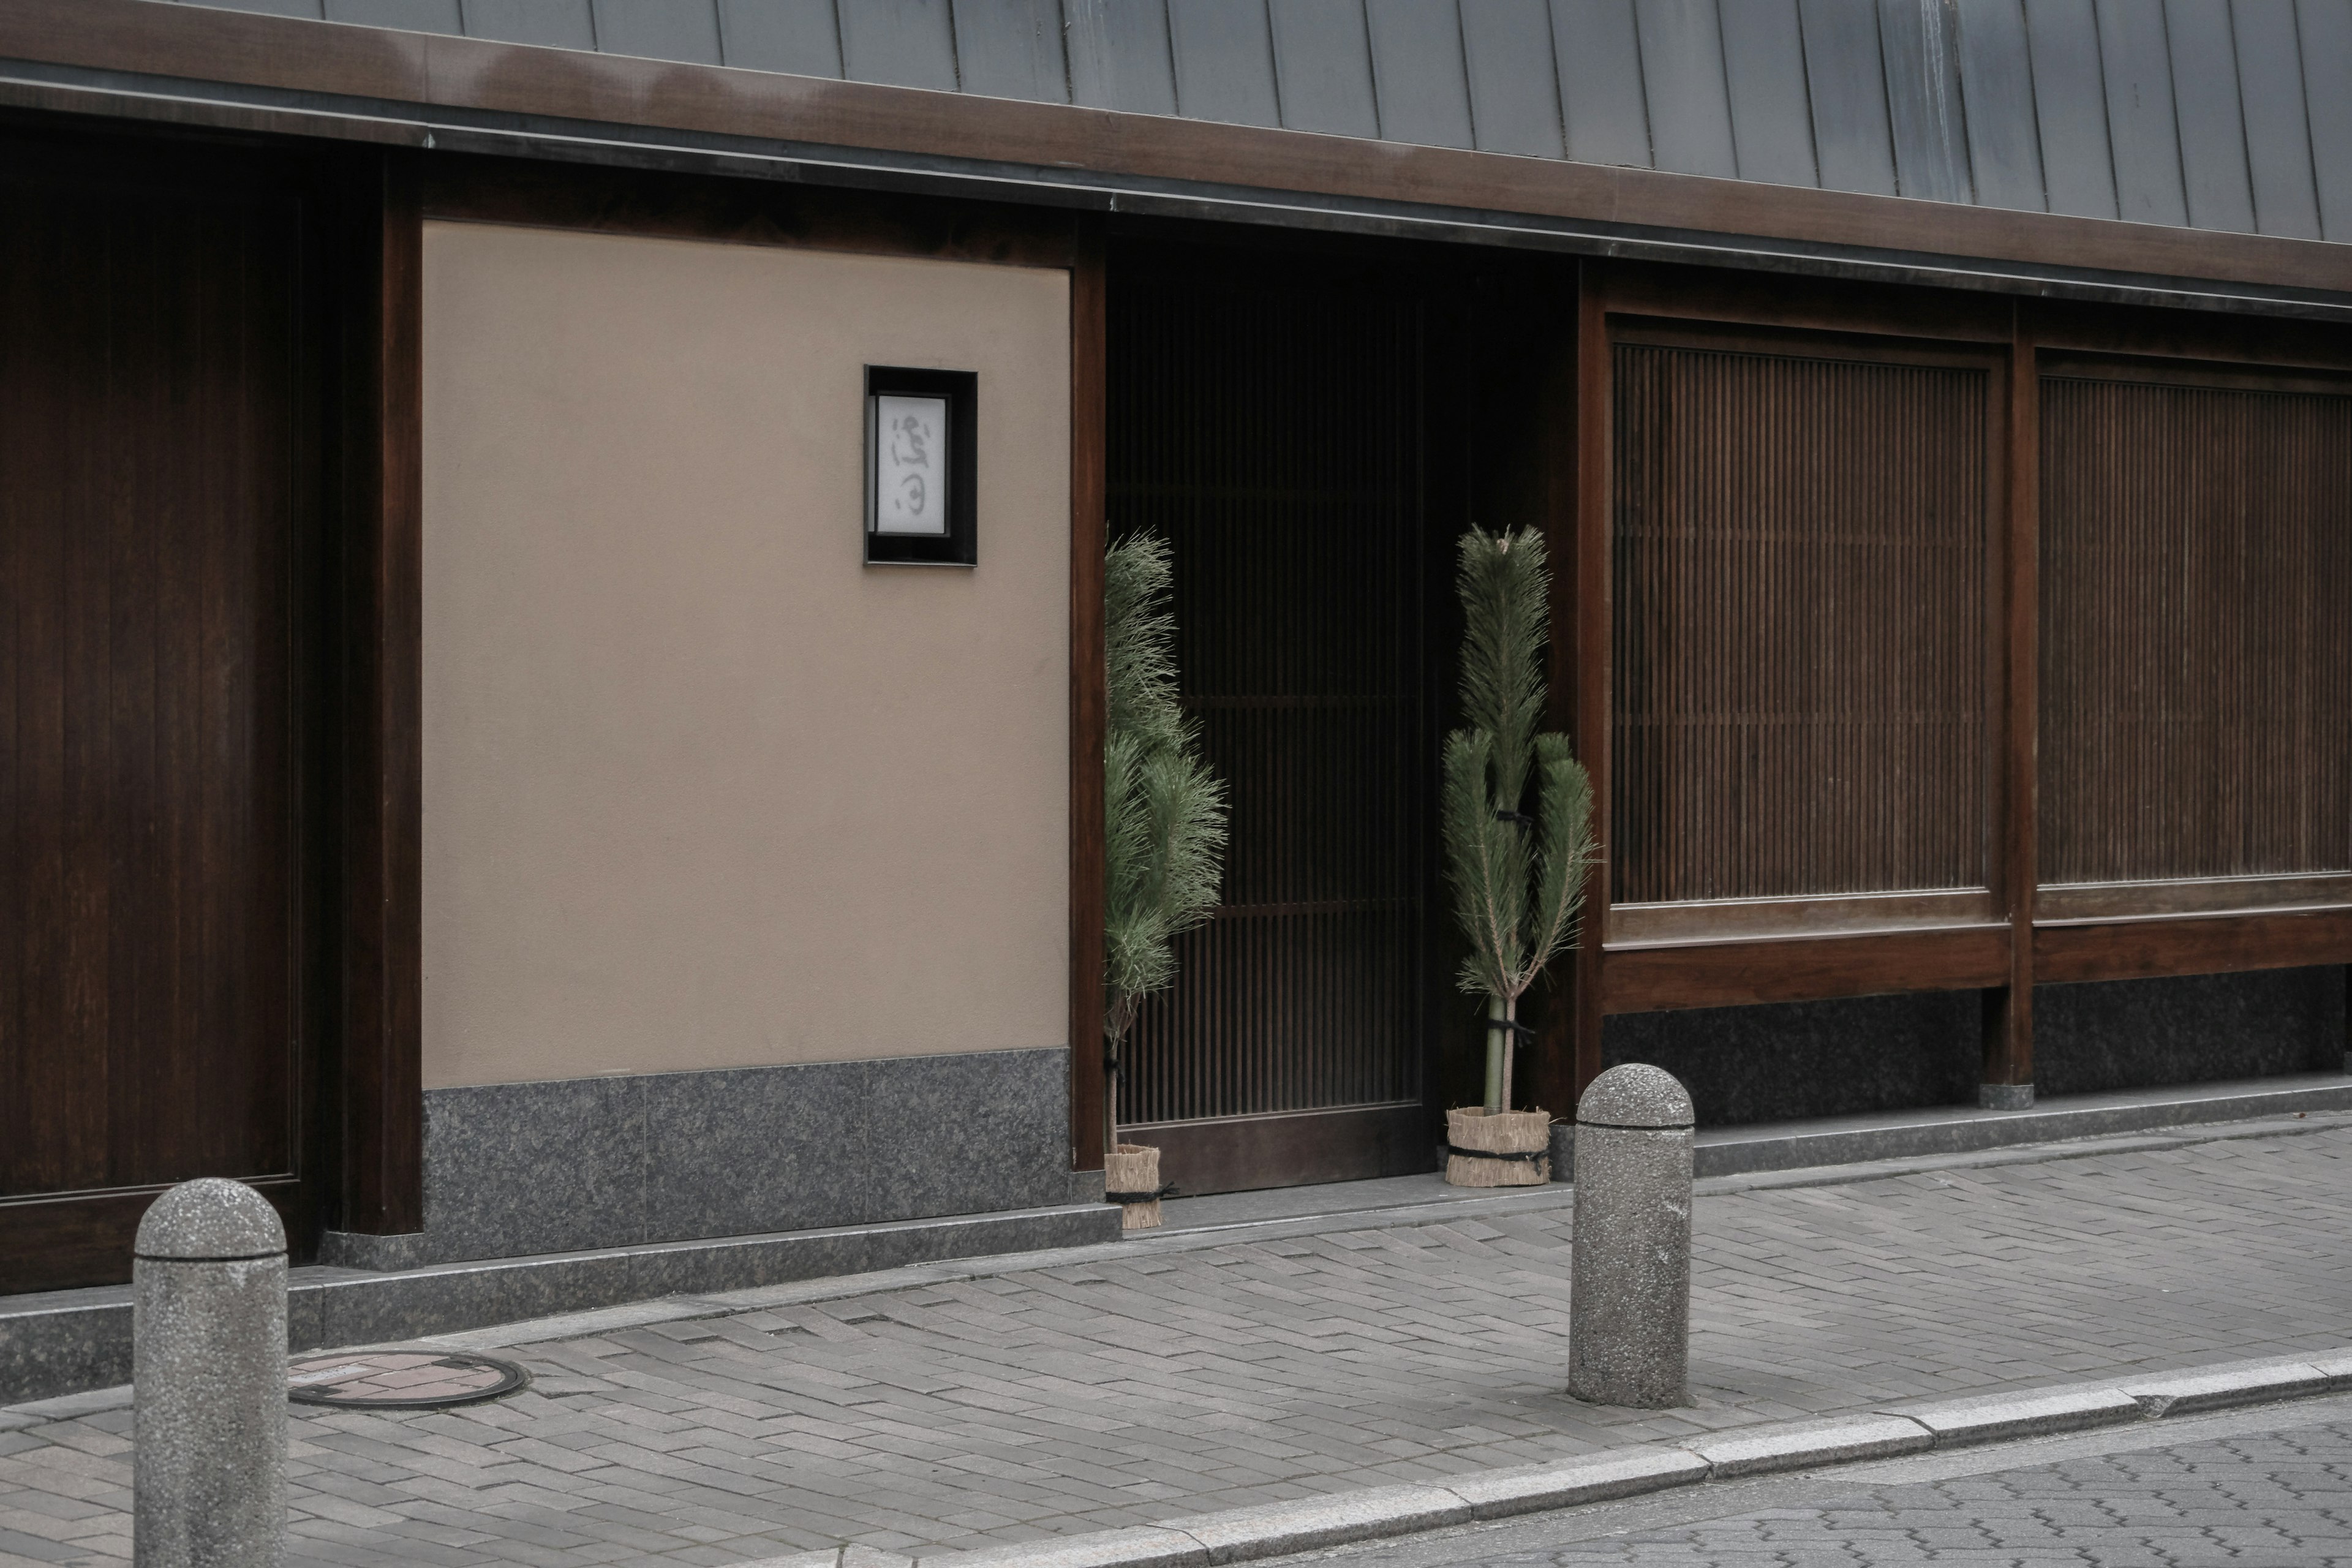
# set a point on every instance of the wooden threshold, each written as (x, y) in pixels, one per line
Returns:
(1243, 1153)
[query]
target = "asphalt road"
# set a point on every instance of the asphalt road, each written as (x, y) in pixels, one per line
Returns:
(2261, 1488)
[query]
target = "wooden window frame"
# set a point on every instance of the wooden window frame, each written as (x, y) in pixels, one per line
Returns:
(1732, 920)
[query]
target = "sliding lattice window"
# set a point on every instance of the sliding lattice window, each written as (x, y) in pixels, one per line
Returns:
(2196, 671)
(1800, 662)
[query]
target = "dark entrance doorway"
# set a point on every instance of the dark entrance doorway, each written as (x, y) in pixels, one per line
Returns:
(1266, 417)
(159, 538)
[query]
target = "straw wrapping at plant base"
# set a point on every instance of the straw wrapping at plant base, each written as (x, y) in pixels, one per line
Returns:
(1134, 1168)
(1505, 1132)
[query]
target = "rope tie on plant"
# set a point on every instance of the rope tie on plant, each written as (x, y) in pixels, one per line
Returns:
(1528, 1157)
(1165, 1190)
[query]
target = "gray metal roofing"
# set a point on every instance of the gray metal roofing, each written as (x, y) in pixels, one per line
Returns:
(2218, 114)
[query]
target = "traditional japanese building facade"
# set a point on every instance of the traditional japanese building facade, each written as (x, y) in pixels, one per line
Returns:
(466, 774)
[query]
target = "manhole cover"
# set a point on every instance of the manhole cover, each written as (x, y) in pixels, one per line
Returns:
(401, 1380)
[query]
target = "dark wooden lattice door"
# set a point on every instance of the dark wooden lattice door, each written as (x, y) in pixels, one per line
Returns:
(156, 482)
(1269, 430)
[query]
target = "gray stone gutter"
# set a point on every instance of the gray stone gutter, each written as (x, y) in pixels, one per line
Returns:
(1243, 1535)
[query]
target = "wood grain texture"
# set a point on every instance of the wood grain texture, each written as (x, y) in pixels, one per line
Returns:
(160, 1008)
(84, 1238)
(381, 1067)
(1590, 629)
(1358, 1143)
(1089, 712)
(476, 189)
(1805, 968)
(2191, 944)
(2009, 1010)
(2196, 660)
(2189, 896)
(369, 63)
(1845, 913)
(1799, 591)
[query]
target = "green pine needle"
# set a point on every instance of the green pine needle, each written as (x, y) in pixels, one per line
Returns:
(1518, 887)
(1164, 812)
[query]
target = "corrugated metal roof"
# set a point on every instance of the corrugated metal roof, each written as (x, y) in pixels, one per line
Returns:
(2232, 115)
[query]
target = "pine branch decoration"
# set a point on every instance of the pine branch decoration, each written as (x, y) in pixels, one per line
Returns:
(1517, 876)
(1163, 810)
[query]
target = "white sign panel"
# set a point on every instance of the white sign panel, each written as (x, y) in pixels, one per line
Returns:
(910, 464)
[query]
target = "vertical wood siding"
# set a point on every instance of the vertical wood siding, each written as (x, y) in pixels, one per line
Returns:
(150, 443)
(1272, 436)
(1799, 590)
(2196, 631)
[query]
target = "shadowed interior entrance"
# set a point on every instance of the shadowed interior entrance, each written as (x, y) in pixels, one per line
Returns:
(1270, 426)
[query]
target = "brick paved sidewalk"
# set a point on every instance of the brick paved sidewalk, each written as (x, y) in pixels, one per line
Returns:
(2278, 1499)
(1177, 1379)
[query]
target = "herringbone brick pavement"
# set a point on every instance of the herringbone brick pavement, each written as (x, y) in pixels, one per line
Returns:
(1143, 1386)
(2278, 1500)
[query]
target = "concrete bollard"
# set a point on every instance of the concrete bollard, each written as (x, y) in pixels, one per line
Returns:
(1629, 1276)
(208, 1380)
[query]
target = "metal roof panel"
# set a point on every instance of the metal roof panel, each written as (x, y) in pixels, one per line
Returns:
(801, 36)
(1682, 77)
(1764, 70)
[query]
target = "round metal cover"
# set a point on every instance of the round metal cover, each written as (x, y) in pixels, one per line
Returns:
(401, 1380)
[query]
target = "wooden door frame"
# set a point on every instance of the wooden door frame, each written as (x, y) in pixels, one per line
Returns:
(380, 1125)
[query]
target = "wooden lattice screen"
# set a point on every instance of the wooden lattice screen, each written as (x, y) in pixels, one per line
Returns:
(1272, 436)
(2196, 674)
(1799, 605)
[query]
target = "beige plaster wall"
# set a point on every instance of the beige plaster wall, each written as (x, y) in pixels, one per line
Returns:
(700, 789)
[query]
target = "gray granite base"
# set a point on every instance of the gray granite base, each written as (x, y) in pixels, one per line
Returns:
(69, 1341)
(1790, 1061)
(584, 1163)
(2124, 1033)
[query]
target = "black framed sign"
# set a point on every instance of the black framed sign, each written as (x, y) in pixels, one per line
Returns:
(922, 478)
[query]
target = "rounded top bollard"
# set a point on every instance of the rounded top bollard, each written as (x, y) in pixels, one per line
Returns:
(210, 1219)
(1634, 1095)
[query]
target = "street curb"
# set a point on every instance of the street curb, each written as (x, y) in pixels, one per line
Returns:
(1275, 1530)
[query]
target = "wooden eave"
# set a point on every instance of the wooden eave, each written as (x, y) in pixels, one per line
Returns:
(143, 59)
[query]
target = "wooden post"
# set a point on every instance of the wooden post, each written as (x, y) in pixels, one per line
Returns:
(2005, 1082)
(1590, 627)
(1088, 391)
(382, 1122)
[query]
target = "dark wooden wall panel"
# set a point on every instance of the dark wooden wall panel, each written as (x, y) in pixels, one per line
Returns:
(157, 498)
(1270, 432)
(2196, 642)
(1800, 623)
